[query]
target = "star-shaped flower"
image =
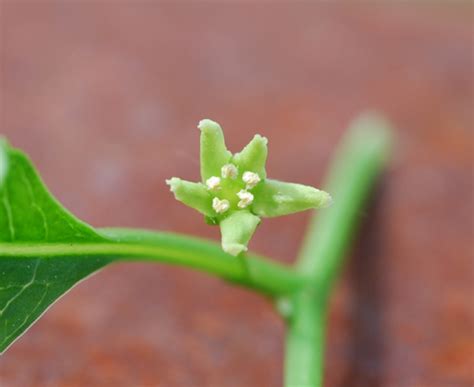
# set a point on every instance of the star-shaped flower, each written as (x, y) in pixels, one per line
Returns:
(235, 192)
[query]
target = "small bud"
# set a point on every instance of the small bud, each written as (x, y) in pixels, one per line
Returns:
(251, 179)
(285, 307)
(246, 198)
(229, 171)
(220, 206)
(213, 183)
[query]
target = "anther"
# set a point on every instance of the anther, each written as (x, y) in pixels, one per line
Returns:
(229, 171)
(213, 183)
(251, 179)
(246, 198)
(220, 206)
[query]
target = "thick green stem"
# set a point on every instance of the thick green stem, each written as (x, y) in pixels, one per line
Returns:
(359, 160)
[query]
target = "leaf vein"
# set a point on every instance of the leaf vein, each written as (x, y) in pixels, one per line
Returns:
(28, 315)
(23, 288)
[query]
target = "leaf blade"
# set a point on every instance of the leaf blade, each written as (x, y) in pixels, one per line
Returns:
(29, 213)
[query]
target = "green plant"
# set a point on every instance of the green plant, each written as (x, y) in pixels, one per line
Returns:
(45, 250)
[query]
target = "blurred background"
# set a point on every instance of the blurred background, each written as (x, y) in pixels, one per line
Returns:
(105, 97)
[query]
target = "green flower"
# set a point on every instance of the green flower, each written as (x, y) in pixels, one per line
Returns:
(235, 192)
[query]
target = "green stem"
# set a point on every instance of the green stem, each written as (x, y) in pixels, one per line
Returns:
(357, 163)
(131, 245)
(304, 342)
(259, 273)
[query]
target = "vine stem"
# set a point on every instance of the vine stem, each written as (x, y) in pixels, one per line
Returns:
(258, 273)
(360, 158)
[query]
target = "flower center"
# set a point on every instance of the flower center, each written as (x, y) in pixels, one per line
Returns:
(231, 190)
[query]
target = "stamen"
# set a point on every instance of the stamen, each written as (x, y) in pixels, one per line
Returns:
(246, 198)
(220, 206)
(213, 183)
(251, 179)
(229, 171)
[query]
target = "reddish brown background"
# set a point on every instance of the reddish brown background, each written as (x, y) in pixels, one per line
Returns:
(105, 97)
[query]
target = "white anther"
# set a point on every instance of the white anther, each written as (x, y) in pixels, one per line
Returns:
(213, 183)
(220, 206)
(229, 171)
(251, 179)
(246, 198)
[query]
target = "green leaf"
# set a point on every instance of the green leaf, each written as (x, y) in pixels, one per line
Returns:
(28, 214)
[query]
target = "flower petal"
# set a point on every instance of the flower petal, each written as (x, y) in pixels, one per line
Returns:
(276, 198)
(253, 157)
(214, 153)
(236, 231)
(194, 195)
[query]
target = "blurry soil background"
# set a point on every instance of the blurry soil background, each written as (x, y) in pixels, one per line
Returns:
(105, 96)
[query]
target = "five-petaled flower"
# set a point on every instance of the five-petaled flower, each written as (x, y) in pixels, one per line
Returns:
(235, 192)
